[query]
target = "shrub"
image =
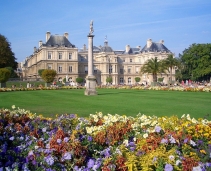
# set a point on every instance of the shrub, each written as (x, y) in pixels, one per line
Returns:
(4, 75)
(79, 80)
(137, 79)
(48, 75)
(109, 80)
(40, 72)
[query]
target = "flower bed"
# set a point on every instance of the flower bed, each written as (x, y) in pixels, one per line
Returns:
(161, 88)
(103, 142)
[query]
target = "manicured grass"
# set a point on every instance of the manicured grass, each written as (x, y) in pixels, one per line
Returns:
(113, 101)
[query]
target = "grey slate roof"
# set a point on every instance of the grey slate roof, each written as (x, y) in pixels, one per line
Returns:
(106, 48)
(155, 47)
(132, 51)
(57, 40)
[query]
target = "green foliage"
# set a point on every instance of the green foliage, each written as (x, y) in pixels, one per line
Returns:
(137, 79)
(196, 62)
(109, 80)
(13, 74)
(4, 75)
(79, 80)
(160, 79)
(153, 66)
(171, 62)
(40, 72)
(7, 57)
(49, 75)
(64, 80)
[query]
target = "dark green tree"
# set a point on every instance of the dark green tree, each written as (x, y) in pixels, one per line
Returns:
(196, 61)
(7, 57)
(13, 73)
(153, 66)
(79, 80)
(137, 79)
(40, 72)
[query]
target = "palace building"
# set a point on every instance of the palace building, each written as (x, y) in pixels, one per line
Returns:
(70, 62)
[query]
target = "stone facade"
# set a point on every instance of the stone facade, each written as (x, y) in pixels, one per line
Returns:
(69, 62)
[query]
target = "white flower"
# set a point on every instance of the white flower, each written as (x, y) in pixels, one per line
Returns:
(13, 106)
(44, 129)
(125, 142)
(88, 130)
(12, 138)
(192, 143)
(198, 168)
(171, 157)
(145, 135)
(194, 120)
(178, 162)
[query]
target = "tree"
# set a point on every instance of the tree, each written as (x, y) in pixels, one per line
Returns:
(4, 75)
(13, 73)
(109, 80)
(137, 79)
(196, 61)
(49, 75)
(40, 72)
(79, 80)
(153, 66)
(7, 57)
(170, 62)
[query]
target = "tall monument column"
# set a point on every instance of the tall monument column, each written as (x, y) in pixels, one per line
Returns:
(90, 79)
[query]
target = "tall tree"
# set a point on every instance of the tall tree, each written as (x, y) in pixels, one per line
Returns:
(153, 66)
(7, 57)
(196, 61)
(170, 62)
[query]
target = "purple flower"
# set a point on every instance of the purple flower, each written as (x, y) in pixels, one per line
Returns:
(89, 138)
(172, 140)
(157, 129)
(185, 140)
(58, 141)
(132, 148)
(132, 144)
(67, 156)
(168, 167)
(49, 160)
(90, 163)
(66, 139)
(164, 141)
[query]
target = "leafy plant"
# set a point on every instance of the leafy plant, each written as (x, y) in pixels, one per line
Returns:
(4, 74)
(137, 79)
(40, 72)
(109, 80)
(48, 75)
(79, 80)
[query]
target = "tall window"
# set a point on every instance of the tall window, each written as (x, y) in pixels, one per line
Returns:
(60, 68)
(110, 68)
(137, 70)
(70, 69)
(129, 70)
(49, 55)
(121, 80)
(121, 70)
(129, 80)
(70, 55)
(86, 69)
(95, 69)
(60, 55)
(131, 60)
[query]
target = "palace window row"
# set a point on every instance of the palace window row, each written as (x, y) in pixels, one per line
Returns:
(60, 55)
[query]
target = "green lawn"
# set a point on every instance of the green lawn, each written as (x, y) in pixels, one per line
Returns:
(113, 101)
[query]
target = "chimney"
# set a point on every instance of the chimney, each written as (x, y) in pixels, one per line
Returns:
(162, 41)
(84, 47)
(35, 49)
(149, 43)
(127, 48)
(48, 35)
(66, 35)
(40, 43)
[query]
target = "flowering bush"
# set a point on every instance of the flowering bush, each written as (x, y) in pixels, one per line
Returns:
(103, 142)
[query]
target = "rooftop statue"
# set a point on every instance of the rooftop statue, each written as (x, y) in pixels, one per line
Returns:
(91, 27)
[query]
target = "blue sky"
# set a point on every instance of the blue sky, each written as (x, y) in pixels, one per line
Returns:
(179, 23)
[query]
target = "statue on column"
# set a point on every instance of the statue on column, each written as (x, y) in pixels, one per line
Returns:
(91, 27)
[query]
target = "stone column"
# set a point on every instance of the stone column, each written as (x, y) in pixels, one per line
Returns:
(90, 79)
